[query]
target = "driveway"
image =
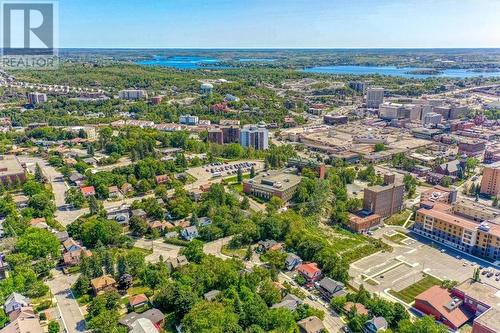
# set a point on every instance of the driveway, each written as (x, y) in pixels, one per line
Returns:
(71, 316)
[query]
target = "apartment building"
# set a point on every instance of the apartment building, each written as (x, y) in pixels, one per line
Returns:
(384, 200)
(440, 223)
(374, 97)
(255, 137)
(35, 98)
(490, 183)
(132, 94)
(187, 119)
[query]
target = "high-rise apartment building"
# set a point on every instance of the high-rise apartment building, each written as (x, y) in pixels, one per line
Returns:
(384, 200)
(374, 97)
(256, 137)
(490, 184)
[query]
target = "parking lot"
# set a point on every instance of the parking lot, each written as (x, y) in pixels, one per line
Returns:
(217, 170)
(409, 259)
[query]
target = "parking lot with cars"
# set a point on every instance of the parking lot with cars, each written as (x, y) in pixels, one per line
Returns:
(219, 169)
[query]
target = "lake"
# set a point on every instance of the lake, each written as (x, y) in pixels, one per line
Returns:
(179, 62)
(395, 71)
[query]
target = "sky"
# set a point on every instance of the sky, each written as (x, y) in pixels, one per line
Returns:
(279, 23)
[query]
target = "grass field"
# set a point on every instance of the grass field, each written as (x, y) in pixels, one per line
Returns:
(408, 294)
(399, 219)
(396, 238)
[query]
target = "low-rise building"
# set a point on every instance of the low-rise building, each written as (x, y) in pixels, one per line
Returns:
(132, 94)
(11, 171)
(363, 221)
(329, 288)
(311, 325)
(310, 271)
(102, 284)
(189, 233)
(280, 184)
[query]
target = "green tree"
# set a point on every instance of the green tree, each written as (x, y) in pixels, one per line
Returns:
(239, 176)
(252, 172)
(54, 327)
(74, 197)
(379, 147)
(38, 243)
(425, 324)
(194, 251)
(211, 317)
(138, 226)
(245, 203)
(39, 176)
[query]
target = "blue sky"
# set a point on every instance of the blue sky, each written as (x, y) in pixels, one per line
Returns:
(279, 23)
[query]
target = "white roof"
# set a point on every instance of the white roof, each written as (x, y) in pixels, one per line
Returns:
(143, 325)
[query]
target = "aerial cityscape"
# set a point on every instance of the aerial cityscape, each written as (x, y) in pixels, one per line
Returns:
(223, 166)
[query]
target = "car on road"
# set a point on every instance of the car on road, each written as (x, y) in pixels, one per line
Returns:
(458, 257)
(490, 274)
(443, 250)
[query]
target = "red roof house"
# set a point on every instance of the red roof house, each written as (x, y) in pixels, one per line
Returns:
(310, 271)
(87, 191)
(439, 303)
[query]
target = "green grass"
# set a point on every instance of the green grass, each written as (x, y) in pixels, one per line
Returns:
(138, 290)
(398, 219)
(236, 253)
(396, 238)
(408, 294)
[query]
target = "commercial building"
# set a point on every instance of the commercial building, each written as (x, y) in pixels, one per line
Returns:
(384, 200)
(335, 119)
(363, 221)
(440, 223)
(490, 183)
(390, 111)
(439, 194)
(471, 147)
(255, 137)
(279, 184)
(374, 97)
(35, 98)
(300, 164)
(188, 119)
(132, 94)
(11, 171)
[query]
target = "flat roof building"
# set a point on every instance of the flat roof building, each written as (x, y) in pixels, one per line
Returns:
(384, 200)
(490, 183)
(255, 137)
(374, 97)
(11, 170)
(279, 184)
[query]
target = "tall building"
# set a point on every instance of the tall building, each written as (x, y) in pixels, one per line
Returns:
(374, 97)
(384, 200)
(132, 94)
(256, 137)
(216, 135)
(490, 184)
(231, 134)
(357, 86)
(35, 98)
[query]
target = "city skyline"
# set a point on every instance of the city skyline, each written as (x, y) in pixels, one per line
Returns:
(274, 25)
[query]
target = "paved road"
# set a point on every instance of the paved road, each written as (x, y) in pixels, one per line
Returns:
(71, 316)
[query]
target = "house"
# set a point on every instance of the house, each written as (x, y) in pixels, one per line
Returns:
(139, 213)
(172, 234)
(138, 301)
(154, 315)
(452, 168)
(189, 233)
(310, 271)
(269, 245)
(91, 161)
(62, 236)
(126, 188)
(311, 325)
(76, 178)
(87, 191)
(103, 283)
(21, 201)
(74, 258)
(15, 301)
(120, 214)
(204, 221)
(360, 308)
(439, 303)
(23, 320)
(211, 295)
(114, 192)
(329, 288)
(160, 225)
(143, 325)
(174, 263)
(71, 245)
(292, 261)
(162, 179)
(374, 325)
(39, 223)
(290, 302)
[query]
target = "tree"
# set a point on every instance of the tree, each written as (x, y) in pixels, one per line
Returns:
(239, 175)
(245, 203)
(494, 203)
(93, 204)
(379, 147)
(138, 226)
(81, 286)
(194, 251)
(122, 266)
(446, 181)
(476, 277)
(39, 176)
(74, 197)
(410, 185)
(274, 204)
(211, 317)
(108, 263)
(54, 327)
(38, 243)
(249, 253)
(252, 172)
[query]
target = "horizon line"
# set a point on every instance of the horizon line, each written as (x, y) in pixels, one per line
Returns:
(277, 48)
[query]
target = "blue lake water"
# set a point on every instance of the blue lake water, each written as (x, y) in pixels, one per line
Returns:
(395, 71)
(256, 60)
(179, 62)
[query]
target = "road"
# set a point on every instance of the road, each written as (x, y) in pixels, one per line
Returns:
(159, 249)
(72, 318)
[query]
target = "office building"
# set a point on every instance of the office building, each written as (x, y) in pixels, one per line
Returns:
(279, 184)
(132, 94)
(374, 97)
(35, 98)
(490, 183)
(389, 111)
(384, 200)
(471, 147)
(255, 137)
(438, 222)
(11, 171)
(188, 119)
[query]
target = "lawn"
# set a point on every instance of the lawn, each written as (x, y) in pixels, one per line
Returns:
(408, 294)
(235, 253)
(398, 219)
(396, 238)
